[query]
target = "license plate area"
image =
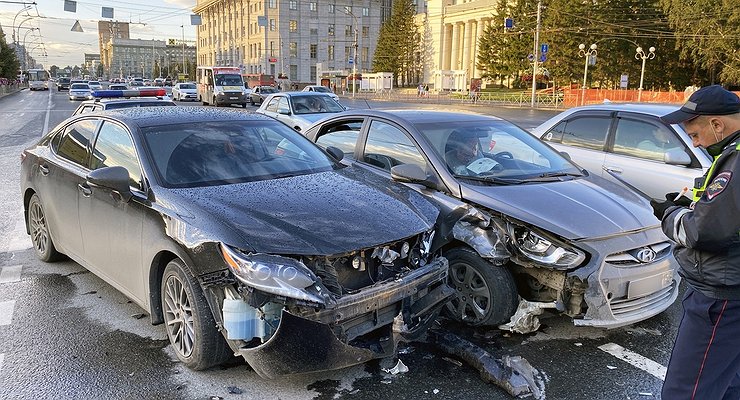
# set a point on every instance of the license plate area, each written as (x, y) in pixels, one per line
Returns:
(648, 285)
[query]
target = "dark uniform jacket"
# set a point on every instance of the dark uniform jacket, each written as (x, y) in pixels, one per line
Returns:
(708, 236)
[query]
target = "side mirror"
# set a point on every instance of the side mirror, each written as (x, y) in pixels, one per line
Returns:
(335, 153)
(113, 178)
(283, 111)
(676, 157)
(408, 173)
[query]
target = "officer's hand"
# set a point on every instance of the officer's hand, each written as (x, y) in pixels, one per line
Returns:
(682, 201)
(659, 207)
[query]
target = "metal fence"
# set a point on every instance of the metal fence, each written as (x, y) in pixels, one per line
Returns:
(512, 99)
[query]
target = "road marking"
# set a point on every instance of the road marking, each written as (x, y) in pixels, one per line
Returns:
(1, 361)
(17, 239)
(644, 363)
(46, 120)
(6, 312)
(10, 274)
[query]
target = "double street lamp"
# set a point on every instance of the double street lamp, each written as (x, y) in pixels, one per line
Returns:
(640, 54)
(582, 52)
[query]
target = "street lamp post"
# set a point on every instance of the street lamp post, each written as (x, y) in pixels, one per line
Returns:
(582, 52)
(354, 60)
(14, 26)
(640, 54)
(25, 51)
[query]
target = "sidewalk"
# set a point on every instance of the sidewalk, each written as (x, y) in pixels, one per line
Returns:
(10, 89)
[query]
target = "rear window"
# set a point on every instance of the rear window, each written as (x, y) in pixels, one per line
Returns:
(80, 86)
(187, 86)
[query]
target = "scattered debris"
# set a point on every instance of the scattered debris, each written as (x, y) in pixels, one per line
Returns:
(400, 368)
(525, 318)
(90, 292)
(386, 381)
(611, 367)
(643, 331)
(139, 316)
(355, 391)
(513, 374)
(215, 398)
(406, 350)
(645, 394)
(428, 356)
(435, 391)
(234, 390)
(578, 344)
(450, 360)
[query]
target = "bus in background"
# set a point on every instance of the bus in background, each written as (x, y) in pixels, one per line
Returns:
(221, 86)
(38, 79)
(255, 80)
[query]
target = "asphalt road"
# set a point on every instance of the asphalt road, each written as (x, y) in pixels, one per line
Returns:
(65, 334)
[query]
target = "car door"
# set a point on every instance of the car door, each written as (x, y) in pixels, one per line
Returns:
(112, 228)
(280, 110)
(59, 181)
(584, 137)
(343, 134)
(643, 166)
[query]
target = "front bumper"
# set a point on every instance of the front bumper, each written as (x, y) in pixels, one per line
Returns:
(231, 98)
(356, 328)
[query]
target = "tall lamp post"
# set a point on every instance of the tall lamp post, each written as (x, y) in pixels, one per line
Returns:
(14, 25)
(582, 52)
(25, 51)
(640, 54)
(354, 60)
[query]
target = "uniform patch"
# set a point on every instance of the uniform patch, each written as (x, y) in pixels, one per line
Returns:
(719, 184)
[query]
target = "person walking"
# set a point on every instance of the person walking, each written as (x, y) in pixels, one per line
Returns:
(705, 362)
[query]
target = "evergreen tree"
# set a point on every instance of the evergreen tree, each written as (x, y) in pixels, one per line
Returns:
(399, 44)
(9, 65)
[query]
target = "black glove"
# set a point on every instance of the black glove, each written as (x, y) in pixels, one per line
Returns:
(682, 201)
(659, 207)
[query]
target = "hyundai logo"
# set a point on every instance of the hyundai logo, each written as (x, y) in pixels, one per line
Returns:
(646, 255)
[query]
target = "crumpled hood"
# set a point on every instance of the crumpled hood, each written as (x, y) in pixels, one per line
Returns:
(317, 214)
(586, 207)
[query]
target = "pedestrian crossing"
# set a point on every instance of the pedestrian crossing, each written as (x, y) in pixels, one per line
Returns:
(9, 274)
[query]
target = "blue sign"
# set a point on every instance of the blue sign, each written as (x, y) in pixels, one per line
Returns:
(543, 57)
(544, 48)
(351, 60)
(530, 57)
(508, 23)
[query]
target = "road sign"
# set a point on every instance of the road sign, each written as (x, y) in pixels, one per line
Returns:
(508, 23)
(544, 48)
(351, 61)
(530, 57)
(261, 20)
(623, 81)
(543, 57)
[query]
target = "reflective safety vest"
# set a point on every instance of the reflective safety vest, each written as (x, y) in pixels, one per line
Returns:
(698, 191)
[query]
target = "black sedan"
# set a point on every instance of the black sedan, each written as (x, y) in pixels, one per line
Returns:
(239, 234)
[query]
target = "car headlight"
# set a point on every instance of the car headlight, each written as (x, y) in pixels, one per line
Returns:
(546, 251)
(273, 274)
(219, 93)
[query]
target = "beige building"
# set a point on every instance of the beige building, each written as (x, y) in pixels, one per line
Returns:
(138, 57)
(290, 37)
(111, 29)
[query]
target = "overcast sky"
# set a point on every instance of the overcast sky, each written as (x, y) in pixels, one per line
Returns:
(150, 19)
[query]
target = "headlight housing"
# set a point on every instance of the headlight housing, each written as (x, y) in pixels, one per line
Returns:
(543, 250)
(273, 274)
(218, 92)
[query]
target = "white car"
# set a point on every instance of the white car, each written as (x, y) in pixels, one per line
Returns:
(185, 91)
(80, 91)
(321, 89)
(299, 110)
(95, 85)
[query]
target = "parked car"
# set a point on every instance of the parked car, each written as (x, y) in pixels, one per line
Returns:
(631, 141)
(259, 93)
(299, 110)
(94, 85)
(297, 264)
(80, 91)
(117, 99)
(321, 89)
(533, 224)
(183, 91)
(118, 86)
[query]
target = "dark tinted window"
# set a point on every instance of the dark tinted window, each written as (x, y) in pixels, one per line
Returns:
(388, 146)
(76, 140)
(555, 134)
(114, 147)
(586, 132)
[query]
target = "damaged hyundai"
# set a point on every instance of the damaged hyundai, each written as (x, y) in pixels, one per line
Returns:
(523, 226)
(286, 258)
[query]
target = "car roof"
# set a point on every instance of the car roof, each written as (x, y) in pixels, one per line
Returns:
(655, 109)
(156, 116)
(415, 116)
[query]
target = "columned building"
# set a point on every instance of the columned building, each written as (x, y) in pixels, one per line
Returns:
(455, 28)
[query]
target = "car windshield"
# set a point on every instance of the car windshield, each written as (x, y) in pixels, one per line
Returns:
(81, 86)
(187, 86)
(93, 83)
(228, 80)
(315, 105)
(226, 152)
(495, 151)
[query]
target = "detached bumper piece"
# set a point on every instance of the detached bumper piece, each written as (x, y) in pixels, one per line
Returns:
(357, 328)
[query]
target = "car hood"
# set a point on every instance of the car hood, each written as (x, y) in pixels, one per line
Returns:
(317, 214)
(587, 207)
(190, 91)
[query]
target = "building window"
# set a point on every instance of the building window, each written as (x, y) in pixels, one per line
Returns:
(293, 4)
(314, 31)
(331, 29)
(348, 30)
(332, 8)
(365, 11)
(272, 24)
(273, 4)
(347, 52)
(312, 72)
(293, 25)
(330, 52)
(313, 6)
(365, 31)
(294, 72)
(313, 50)
(293, 47)
(364, 54)
(348, 9)
(272, 49)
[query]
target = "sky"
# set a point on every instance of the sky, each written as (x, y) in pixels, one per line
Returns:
(149, 19)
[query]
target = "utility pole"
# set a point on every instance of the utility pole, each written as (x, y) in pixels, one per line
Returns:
(184, 70)
(536, 56)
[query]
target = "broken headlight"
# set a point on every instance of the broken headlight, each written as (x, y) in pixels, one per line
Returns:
(546, 251)
(272, 274)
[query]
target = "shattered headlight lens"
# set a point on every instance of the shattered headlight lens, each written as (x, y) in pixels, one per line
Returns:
(278, 275)
(545, 251)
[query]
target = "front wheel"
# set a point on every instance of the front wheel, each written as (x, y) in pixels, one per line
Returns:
(40, 235)
(189, 322)
(485, 294)
(251, 101)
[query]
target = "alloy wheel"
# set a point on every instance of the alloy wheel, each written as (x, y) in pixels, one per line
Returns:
(472, 299)
(39, 229)
(178, 315)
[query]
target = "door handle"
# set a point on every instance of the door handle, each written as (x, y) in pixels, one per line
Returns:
(614, 169)
(44, 170)
(85, 190)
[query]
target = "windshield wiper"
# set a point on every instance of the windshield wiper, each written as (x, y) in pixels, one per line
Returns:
(552, 176)
(491, 179)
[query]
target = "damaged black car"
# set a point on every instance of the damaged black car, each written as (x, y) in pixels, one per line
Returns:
(239, 246)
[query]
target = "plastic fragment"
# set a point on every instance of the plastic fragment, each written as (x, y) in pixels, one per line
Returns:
(234, 390)
(400, 368)
(435, 391)
(138, 316)
(450, 360)
(611, 367)
(645, 394)
(525, 318)
(579, 344)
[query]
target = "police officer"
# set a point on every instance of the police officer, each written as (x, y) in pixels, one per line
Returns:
(705, 362)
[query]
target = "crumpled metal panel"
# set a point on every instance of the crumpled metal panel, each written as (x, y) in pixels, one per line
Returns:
(483, 234)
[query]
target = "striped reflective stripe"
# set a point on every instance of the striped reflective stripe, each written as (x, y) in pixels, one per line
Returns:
(679, 233)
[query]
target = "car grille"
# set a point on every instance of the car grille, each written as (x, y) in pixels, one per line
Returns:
(626, 308)
(639, 256)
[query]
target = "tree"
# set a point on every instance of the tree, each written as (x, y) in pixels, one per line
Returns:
(53, 70)
(398, 49)
(100, 70)
(9, 64)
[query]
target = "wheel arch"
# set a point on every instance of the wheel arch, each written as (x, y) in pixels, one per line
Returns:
(156, 271)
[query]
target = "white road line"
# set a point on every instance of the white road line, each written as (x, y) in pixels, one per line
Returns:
(46, 120)
(1, 361)
(6, 312)
(17, 239)
(10, 274)
(644, 363)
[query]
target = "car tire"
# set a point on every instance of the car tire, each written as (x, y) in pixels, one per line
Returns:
(215, 103)
(485, 294)
(244, 105)
(40, 234)
(251, 101)
(190, 325)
